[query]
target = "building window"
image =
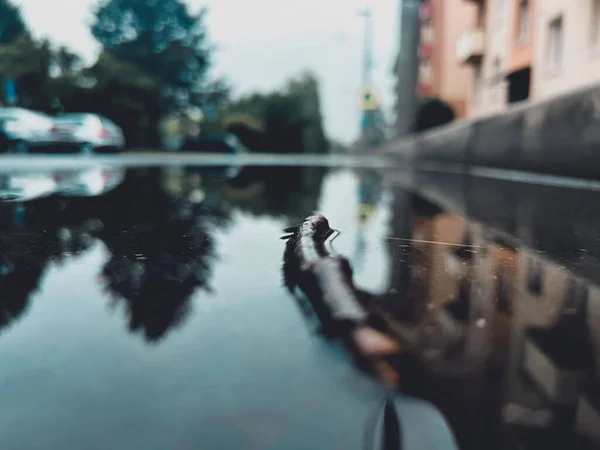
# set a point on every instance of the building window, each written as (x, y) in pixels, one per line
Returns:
(595, 28)
(519, 85)
(524, 20)
(555, 44)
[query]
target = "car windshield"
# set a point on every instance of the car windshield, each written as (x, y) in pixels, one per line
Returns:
(73, 119)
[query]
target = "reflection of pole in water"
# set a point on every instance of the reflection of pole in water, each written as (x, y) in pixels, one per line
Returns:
(360, 249)
(369, 194)
(401, 228)
(19, 216)
(369, 187)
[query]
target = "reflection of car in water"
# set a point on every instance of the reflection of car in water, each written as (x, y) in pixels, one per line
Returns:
(22, 131)
(228, 144)
(93, 132)
(88, 182)
(25, 186)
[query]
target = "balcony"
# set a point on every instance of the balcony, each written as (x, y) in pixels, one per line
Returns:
(426, 11)
(425, 89)
(470, 47)
(425, 51)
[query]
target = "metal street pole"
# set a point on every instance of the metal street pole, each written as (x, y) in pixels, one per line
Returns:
(368, 114)
(408, 67)
(368, 47)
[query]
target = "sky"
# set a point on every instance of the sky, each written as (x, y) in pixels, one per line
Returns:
(259, 44)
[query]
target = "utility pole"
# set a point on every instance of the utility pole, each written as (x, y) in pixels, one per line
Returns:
(372, 130)
(368, 47)
(408, 66)
(366, 122)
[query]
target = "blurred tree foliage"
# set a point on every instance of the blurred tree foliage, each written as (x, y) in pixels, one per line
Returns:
(154, 65)
(11, 23)
(163, 39)
(120, 90)
(290, 120)
(433, 112)
(284, 121)
(154, 62)
(28, 62)
(337, 147)
(289, 193)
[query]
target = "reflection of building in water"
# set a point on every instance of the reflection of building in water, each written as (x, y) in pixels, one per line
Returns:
(435, 299)
(452, 301)
(368, 195)
(551, 361)
(507, 337)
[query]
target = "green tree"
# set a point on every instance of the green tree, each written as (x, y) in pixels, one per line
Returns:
(28, 62)
(133, 100)
(43, 75)
(433, 112)
(11, 22)
(66, 63)
(290, 119)
(163, 39)
(305, 91)
(337, 147)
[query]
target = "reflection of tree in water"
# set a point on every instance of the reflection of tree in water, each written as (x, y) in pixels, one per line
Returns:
(28, 242)
(23, 258)
(161, 252)
(160, 241)
(283, 191)
(155, 270)
(161, 249)
(73, 231)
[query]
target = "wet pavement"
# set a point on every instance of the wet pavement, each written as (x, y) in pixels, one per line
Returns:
(153, 315)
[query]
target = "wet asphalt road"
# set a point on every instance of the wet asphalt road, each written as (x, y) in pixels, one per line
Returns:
(153, 316)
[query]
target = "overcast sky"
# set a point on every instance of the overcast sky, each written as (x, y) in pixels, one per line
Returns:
(261, 43)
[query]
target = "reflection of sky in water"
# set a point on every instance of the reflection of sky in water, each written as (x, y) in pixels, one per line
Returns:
(72, 371)
(339, 203)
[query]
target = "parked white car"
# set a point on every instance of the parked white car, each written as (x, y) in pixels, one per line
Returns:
(90, 182)
(23, 186)
(22, 131)
(92, 132)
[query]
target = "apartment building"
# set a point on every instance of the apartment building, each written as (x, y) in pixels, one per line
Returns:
(440, 74)
(522, 49)
(567, 45)
(499, 46)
